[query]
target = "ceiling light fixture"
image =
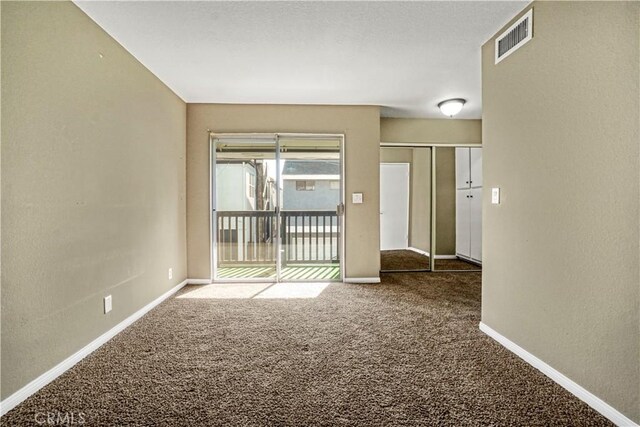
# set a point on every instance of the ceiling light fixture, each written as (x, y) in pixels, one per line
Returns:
(451, 107)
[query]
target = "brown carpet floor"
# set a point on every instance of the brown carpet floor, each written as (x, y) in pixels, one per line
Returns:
(405, 352)
(410, 260)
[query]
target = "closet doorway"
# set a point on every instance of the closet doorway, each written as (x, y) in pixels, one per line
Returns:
(445, 208)
(405, 205)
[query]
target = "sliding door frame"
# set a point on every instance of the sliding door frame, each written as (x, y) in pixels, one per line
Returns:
(341, 217)
(433, 146)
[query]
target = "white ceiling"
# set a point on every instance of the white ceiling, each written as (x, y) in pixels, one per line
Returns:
(404, 56)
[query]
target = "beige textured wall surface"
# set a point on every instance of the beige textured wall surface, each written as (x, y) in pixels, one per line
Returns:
(561, 139)
(445, 201)
(420, 237)
(433, 131)
(93, 186)
(437, 131)
(361, 126)
(396, 155)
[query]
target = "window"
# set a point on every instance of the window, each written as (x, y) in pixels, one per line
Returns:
(334, 185)
(251, 186)
(305, 185)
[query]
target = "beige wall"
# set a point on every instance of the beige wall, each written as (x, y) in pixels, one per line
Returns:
(445, 201)
(360, 124)
(433, 131)
(437, 131)
(396, 155)
(93, 186)
(561, 139)
(420, 223)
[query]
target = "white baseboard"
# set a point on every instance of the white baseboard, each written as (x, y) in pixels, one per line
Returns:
(198, 281)
(19, 396)
(362, 280)
(466, 258)
(420, 251)
(577, 390)
(445, 257)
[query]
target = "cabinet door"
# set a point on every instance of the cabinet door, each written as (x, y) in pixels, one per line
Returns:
(462, 222)
(475, 223)
(462, 168)
(476, 167)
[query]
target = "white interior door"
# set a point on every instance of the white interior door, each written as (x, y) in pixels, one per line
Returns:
(394, 206)
(462, 222)
(475, 225)
(462, 167)
(476, 167)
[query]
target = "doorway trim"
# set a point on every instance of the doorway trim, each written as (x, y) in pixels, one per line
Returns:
(212, 136)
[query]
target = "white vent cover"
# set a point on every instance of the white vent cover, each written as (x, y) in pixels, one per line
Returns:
(515, 36)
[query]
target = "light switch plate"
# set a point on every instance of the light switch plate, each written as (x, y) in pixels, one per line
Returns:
(356, 198)
(107, 304)
(495, 195)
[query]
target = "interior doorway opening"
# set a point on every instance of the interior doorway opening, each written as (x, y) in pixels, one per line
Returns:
(405, 205)
(277, 207)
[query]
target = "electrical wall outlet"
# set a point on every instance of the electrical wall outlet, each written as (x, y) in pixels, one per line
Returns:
(170, 273)
(107, 304)
(356, 198)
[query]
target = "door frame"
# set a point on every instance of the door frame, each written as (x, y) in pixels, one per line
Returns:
(434, 146)
(408, 165)
(341, 217)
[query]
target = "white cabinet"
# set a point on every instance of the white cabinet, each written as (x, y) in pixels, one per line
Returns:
(475, 224)
(469, 203)
(475, 166)
(462, 168)
(463, 216)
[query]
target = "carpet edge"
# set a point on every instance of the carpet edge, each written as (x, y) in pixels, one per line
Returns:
(45, 378)
(565, 382)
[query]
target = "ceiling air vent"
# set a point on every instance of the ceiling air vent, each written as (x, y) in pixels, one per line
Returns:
(515, 36)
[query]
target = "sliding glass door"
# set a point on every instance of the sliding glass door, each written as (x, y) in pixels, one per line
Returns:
(276, 207)
(245, 202)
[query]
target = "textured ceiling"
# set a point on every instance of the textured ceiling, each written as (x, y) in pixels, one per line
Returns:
(404, 56)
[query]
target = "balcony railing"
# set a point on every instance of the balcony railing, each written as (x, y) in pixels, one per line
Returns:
(248, 237)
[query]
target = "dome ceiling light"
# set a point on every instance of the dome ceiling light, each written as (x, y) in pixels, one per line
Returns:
(451, 107)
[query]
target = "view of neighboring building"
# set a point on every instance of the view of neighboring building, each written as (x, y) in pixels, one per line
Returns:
(244, 186)
(311, 184)
(247, 186)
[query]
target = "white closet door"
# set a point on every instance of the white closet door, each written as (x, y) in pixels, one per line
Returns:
(462, 168)
(394, 206)
(462, 222)
(476, 167)
(475, 224)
